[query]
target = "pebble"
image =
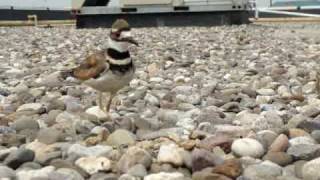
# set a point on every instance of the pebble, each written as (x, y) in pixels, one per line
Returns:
(83, 151)
(265, 170)
(93, 165)
(170, 153)
(121, 137)
(310, 170)
(247, 147)
(200, 99)
(18, 157)
(167, 176)
(132, 157)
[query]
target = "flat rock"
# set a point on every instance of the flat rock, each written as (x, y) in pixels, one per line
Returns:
(280, 158)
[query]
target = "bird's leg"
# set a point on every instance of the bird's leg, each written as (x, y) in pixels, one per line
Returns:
(108, 104)
(100, 100)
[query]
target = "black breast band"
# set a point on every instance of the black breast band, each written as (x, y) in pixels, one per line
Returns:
(116, 55)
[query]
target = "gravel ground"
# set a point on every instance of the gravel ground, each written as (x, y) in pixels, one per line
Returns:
(229, 102)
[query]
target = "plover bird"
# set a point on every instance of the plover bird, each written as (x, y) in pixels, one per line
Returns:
(111, 69)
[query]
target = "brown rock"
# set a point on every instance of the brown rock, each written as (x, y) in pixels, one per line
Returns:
(208, 176)
(224, 142)
(280, 158)
(280, 144)
(295, 132)
(231, 168)
(202, 159)
(188, 145)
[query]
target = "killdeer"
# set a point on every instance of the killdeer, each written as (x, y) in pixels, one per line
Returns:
(111, 69)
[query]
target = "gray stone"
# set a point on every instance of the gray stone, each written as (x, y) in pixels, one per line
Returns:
(18, 157)
(138, 170)
(103, 176)
(49, 135)
(121, 137)
(304, 151)
(316, 135)
(265, 170)
(83, 151)
(132, 157)
(6, 172)
(69, 174)
(25, 123)
(311, 170)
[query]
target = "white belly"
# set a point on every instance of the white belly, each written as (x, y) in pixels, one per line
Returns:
(110, 82)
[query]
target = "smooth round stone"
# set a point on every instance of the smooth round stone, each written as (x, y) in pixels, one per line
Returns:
(25, 123)
(83, 151)
(138, 170)
(316, 135)
(298, 167)
(18, 157)
(295, 132)
(132, 157)
(128, 177)
(265, 170)
(304, 151)
(49, 135)
(280, 144)
(92, 165)
(166, 176)
(311, 170)
(6, 172)
(103, 176)
(302, 140)
(70, 174)
(202, 159)
(170, 153)
(280, 158)
(266, 137)
(247, 147)
(121, 137)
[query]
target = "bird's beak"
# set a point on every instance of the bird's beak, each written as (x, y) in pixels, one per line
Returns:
(132, 41)
(126, 36)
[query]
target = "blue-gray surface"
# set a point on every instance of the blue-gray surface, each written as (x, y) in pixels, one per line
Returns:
(35, 4)
(296, 2)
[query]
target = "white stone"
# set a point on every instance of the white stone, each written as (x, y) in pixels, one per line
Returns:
(27, 174)
(151, 99)
(247, 147)
(311, 170)
(98, 150)
(170, 153)
(301, 140)
(165, 176)
(96, 111)
(30, 106)
(266, 92)
(93, 165)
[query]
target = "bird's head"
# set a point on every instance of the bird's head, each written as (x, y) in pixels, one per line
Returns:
(120, 36)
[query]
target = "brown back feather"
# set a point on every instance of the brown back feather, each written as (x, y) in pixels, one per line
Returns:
(91, 67)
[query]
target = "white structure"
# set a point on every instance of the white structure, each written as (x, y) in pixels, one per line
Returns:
(36, 4)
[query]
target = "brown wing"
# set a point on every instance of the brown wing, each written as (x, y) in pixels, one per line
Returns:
(91, 67)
